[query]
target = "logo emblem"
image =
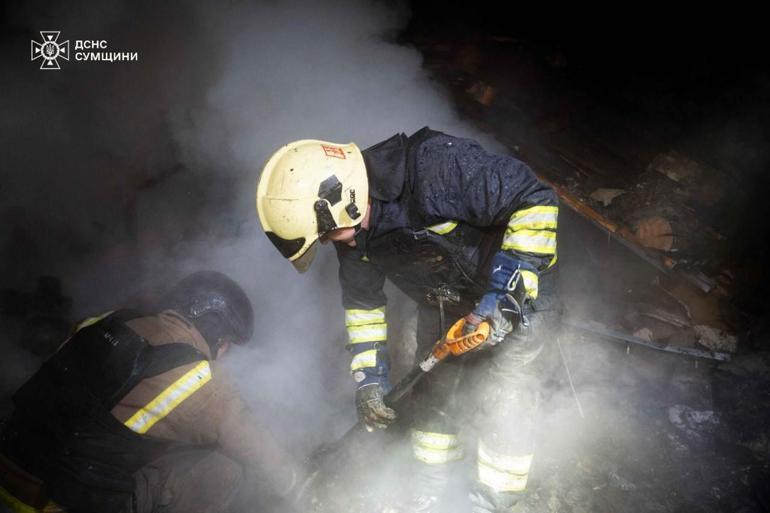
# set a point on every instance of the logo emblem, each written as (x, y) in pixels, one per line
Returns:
(333, 151)
(50, 50)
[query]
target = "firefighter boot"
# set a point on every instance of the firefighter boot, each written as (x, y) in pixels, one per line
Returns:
(485, 500)
(428, 484)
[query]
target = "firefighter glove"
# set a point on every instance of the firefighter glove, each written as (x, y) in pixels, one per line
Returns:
(502, 305)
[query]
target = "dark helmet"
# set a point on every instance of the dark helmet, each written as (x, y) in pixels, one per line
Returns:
(216, 305)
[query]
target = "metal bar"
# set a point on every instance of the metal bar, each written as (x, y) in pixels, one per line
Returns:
(618, 335)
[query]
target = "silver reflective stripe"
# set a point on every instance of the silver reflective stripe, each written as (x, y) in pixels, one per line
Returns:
(435, 448)
(434, 440)
(534, 218)
(368, 333)
(170, 398)
(443, 228)
(503, 473)
(363, 360)
(361, 317)
(531, 241)
(501, 481)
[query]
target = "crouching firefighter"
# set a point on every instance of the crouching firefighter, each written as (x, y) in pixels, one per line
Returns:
(463, 232)
(132, 414)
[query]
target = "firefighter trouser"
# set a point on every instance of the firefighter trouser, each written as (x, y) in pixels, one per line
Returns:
(192, 481)
(496, 390)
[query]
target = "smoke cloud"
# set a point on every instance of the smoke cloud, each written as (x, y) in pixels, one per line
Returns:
(120, 178)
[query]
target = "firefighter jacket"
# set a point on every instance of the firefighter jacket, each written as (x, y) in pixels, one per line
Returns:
(441, 208)
(118, 394)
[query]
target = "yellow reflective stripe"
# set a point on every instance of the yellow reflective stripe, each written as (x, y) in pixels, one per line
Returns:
(531, 241)
(434, 440)
(530, 280)
(92, 320)
(443, 228)
(437, 456)
(170, 398)
(534, 218)
(553, 261)
(435, 448)
(368, 333)
(364, 359)
(503, 473)
(15, 504)
(517, 464)
(361, 317)
(500, 481)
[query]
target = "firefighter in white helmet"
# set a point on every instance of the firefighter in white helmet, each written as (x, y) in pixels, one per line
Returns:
(447, 222)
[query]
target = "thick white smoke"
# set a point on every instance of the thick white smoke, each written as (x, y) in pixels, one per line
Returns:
(123, 177)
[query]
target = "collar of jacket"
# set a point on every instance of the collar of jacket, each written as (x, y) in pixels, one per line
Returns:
(386, 167)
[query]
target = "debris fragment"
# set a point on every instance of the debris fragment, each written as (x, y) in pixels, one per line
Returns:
(482, 93)
(655, 232)
(675, 166)
(696, 425)
(644, 334)
(605, 196)
(715, 339)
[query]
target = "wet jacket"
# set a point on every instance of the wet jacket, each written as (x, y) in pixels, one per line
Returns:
(87, 457)
(441, 207)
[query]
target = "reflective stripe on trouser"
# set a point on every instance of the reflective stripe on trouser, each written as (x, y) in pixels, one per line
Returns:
(165, 402)
(503, 472)
(435, 448)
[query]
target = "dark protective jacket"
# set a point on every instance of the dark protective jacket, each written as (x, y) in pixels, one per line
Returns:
(441, 207)
(117, 395)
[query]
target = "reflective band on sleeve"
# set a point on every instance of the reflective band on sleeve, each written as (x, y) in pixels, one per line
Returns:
(170, 398)
(368, 333)
(534, 218)
(531, 241)
(503, 473)
(443, 228)
(435, 448)
(91, 321)
(361, 317)
(363, 360)
(530, 283)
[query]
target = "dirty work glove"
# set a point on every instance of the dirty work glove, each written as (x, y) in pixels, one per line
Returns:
(371, 407)
(502, 321)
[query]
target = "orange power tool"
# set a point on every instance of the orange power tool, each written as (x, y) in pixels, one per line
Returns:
(454, 343)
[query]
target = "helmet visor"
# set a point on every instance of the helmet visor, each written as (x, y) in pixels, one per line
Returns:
(302, 263)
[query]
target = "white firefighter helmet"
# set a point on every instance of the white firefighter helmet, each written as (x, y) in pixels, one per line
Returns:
(307, 189)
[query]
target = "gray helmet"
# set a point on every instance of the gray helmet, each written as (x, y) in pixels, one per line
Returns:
(215, 304)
